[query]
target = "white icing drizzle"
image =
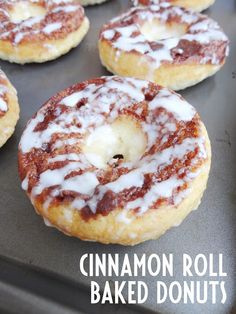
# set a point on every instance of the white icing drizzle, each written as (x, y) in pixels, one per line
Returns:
(179, 107)
(68, 216)
(46, 24)
(66, 9)
(103, 104)
(162, 189)
(122, 217)
(52, 27)
(199, 28)
(65, 157)
(25, 183)
(3, 92)
(47, 222)
(126, 181)
(3, 105)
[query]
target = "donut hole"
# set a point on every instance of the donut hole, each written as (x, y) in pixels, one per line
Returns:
(156, 30)
(24, 10)
(111, 144)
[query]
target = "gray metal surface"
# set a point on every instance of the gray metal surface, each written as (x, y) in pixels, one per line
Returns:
(210, 229)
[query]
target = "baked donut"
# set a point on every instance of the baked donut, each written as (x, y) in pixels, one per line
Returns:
(40, 30)
(169, 45)
(9, 108)
(90, 2)
(115, 160)
(195, 5)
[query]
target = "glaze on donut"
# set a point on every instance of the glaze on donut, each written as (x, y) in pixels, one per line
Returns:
(191, 48)
(3, 91)
(195, 5)
(40, 30)
(115, 160)
(9, 108)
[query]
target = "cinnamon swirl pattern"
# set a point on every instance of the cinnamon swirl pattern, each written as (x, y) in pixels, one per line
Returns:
(115, 160)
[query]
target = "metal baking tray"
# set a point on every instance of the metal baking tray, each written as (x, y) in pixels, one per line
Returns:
(39, 266)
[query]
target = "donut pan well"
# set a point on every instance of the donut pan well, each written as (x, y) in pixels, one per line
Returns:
(39, 266)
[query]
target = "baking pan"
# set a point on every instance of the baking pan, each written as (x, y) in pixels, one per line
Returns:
(39, 266)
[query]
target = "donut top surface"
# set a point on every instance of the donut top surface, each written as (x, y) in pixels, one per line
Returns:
(38, 20)
(55, 167)
(167, 34)
(3, 94)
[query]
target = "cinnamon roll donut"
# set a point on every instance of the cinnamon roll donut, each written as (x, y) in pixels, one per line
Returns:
(40, 30)
(169, 45)
(9, 108)
(115, 160)
(195, 5)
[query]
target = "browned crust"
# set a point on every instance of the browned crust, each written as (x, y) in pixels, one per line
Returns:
(9, 118)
